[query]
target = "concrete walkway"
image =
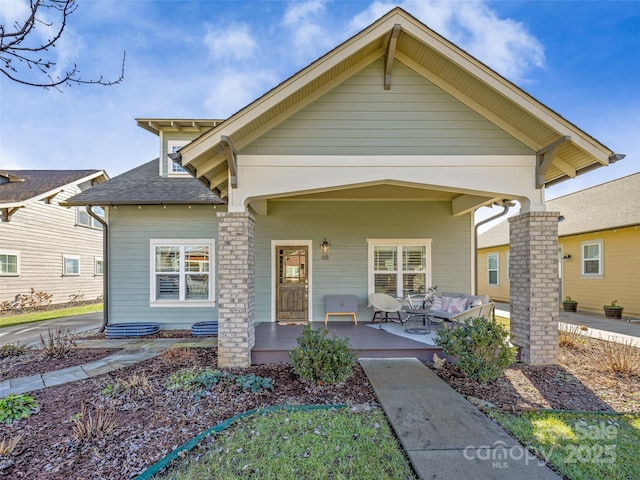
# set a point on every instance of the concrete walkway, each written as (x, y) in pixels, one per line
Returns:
(444, 436)
(134, 351)
(619, 331)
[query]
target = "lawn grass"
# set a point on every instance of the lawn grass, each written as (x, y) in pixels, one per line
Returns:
(580, 446)
(504, 321)
(299, 444)
(38, 316)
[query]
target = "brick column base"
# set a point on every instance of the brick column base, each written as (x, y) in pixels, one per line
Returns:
(533, 272)
(236, 288)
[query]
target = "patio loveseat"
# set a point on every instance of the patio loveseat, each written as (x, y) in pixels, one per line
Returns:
(458, 306)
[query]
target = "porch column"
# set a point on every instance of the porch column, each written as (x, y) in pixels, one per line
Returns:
(534, 286)
(236, 288)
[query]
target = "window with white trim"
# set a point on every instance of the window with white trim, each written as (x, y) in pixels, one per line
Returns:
(492, 269)
(592, 258)
(9, 263)
(174, 169)
(83, 218)
(508, 265)
(99, 266)
(399, 267)
(181, 272)
(70, 265)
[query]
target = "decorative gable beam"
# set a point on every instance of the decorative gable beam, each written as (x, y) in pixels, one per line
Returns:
(47, 200)
(390, 55)
(468, 203)
(232, 160)
(565, 168)
(545, 157)
(7, 212)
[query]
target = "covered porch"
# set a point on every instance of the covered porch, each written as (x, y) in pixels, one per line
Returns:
(274, 341)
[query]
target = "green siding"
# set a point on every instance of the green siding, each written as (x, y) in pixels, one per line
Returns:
(347, 226)
(130, 231)
(359, 117)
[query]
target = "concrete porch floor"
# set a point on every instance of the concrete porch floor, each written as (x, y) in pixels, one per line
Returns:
(274, 341)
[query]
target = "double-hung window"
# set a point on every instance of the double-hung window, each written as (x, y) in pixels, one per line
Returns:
(592, 258)
(181, 272)
(9, 263)
(492, 269)
(399, 267)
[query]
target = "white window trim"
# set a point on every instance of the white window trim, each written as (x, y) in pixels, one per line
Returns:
(94, 224)
(64, 265)
(497, 255)
(16, 253)
(96, 260)
(600, 244)
(154, 242)
(508, 265)
(170, 163)
(399, 242)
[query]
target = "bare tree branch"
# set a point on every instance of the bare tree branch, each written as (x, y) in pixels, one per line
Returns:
(21, 47)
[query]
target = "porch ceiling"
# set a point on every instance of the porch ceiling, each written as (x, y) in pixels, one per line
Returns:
(452, 69)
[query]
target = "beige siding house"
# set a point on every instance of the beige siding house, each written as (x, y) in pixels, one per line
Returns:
(598, 248)
(43, 245)
(384, 148)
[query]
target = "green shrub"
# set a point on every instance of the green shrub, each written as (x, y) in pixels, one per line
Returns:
(182, 379)
(16, 407)
(202, 380)
(12, 350)
(320, 359)
(481, 347)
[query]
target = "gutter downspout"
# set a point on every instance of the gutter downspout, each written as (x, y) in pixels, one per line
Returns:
(105, 268)
(506, 205)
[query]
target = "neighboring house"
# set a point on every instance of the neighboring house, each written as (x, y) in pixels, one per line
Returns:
(52, 249)
(599, 248)
(384, 147)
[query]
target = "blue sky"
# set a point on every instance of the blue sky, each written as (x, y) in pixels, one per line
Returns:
(208, 59)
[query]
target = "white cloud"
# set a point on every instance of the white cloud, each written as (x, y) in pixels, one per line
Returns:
(235, 42)
(503, 44)
(308, 23)
(234, 90)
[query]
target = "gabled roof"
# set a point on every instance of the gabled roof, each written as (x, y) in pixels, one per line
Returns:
(610, 205)
(19, 186)
(143, 186)
(564, 150)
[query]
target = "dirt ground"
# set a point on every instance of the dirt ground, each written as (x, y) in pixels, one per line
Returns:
(150, 421)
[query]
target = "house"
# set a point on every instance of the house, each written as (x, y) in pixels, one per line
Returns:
(598, 256)
(45, 246)
(384, 148)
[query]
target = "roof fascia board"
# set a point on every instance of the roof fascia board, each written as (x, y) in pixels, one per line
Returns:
(55, 191)
(516, 95)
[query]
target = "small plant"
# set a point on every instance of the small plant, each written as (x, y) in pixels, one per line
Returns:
(182, 379)
(96, 425)
(12, 350)
(8, 446)
(623, 358)
(613, 310)
(178, 355)
(569, 304)
(319, 359)
(481, 347)
(573, 337)
(59, 344)
(254, 383)
(16, 407)
(136, 385)
(29, 301)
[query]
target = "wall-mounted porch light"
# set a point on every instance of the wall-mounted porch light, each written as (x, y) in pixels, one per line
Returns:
(324, 248)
